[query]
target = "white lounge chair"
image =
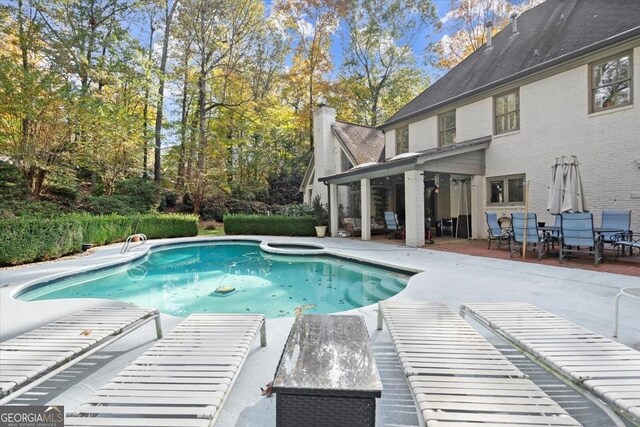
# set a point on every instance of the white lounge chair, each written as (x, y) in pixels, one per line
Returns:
(32, 358)
(457, 377)
(180, 381)
(592, 363)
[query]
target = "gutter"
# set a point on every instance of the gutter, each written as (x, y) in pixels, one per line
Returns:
(625, 36)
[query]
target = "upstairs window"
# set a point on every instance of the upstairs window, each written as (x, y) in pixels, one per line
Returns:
(447, 128)
(346, 163)
(507, 112)
(611, 83)
(402, 140)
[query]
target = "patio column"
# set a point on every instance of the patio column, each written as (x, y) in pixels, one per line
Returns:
(478, 220)
(414, 208)
(365, 208)
(334, 222)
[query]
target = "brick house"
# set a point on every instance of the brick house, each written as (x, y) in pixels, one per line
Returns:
(560, 80)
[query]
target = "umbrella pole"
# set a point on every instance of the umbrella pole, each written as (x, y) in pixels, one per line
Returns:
(526, 220)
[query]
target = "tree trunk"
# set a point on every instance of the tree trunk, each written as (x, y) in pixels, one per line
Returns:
(159, 109)
(183, 126)
(145, 124)
(25, 122)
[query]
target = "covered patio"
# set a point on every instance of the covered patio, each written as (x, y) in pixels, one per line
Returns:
(422, 188)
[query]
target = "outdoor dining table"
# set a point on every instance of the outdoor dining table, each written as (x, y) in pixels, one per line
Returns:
(549, 229)
(597, 230)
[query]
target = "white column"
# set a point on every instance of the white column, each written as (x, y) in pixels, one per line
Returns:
(333, 213)
(478, 221)
(414, 208)
(365, 208)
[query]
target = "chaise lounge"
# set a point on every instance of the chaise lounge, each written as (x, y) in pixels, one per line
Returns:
(594, 364)
(182, 380)
(32, 358)
(457, 377)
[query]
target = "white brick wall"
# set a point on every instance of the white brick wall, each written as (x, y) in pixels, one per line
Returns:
(390, 143)
(474, 120)
(423, 134)
(554, 121)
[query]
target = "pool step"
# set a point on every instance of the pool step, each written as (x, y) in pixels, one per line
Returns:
(392, 286)
(364, 294)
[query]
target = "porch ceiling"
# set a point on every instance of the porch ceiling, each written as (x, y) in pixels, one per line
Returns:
(462, 157)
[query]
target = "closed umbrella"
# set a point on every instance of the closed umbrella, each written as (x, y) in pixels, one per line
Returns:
(554, 202)
(565, 192)
(573, 200)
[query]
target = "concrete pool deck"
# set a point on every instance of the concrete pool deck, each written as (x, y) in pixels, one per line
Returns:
(583, 297)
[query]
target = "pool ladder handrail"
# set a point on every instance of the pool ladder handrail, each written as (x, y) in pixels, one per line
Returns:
(125, 247)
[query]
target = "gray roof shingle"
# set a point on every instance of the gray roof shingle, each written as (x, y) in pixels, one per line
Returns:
(363, 142)
(550, 33)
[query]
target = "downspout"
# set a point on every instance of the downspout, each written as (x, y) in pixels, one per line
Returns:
(328, 205)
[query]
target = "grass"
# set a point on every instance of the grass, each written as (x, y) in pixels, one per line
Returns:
(219, 231)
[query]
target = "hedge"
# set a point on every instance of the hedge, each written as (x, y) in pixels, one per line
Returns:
(274, 225)
(34, 239)
(30, 239)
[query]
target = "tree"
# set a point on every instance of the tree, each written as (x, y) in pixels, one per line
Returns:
(310, 24)
(169, 13)
(466, 21)
(221, 35)
(379, 55)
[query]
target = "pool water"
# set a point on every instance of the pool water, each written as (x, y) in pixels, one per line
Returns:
(183, 280)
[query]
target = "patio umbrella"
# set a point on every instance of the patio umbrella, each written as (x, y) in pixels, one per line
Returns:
(565, 192)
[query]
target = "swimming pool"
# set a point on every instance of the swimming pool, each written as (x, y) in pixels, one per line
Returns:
(231, 277)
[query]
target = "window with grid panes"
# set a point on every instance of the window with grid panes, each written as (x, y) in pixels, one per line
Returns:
(507, 112)
(447, 128)
(506, 190)
(611, 83)
(402, 140)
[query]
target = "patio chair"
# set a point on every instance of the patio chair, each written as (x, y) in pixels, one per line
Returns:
(634, 294)
(391, 224)
(615, 218)
(457, 377)
(591, 363)
(522, 225)
(576, 232)
(32, 358)
(182, 380)
(495, 231)
(553, 237)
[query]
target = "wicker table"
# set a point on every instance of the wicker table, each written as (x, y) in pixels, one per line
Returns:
(327, 375)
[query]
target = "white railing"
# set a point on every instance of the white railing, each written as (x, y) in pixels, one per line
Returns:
(133, 238)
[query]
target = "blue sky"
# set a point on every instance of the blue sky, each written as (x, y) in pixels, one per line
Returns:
(419, 45)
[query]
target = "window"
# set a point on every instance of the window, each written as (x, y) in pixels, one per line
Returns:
(402, 140)
(611, 83)
(447, 128)
(507, 109)
(506, 190)
(344, 160)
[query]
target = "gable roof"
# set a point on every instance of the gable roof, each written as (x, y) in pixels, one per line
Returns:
(364, 143)
(553, 32)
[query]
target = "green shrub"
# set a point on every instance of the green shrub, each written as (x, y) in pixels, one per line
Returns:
(105, 229)
(65, 195)
(156, 226)
(216, 207)
(274, 225)
(34, 239)
(299, 209)
(143, 194)
(106, 205)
